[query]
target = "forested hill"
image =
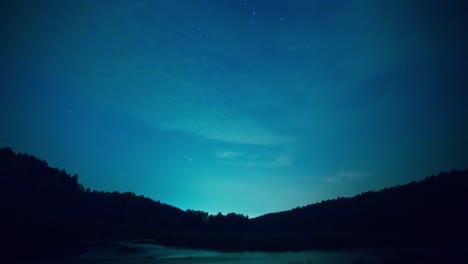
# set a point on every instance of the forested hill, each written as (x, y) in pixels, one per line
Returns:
(438, 203)
(45, 211)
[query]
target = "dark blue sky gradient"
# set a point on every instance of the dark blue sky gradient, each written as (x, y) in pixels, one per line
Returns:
(245, 106)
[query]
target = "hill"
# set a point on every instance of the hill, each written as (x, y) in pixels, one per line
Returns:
(434, 210)
(46, 212)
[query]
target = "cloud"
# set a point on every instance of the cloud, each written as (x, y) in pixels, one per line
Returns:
(254, 160)
(344, 176)
(275, 162)
(177, 91)
(228, 154)
(220, 125)
(193, 113)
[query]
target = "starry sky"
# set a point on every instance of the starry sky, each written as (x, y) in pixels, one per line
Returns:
(244, 106)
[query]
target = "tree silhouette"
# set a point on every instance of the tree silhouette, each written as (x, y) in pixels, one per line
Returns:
(45, 211)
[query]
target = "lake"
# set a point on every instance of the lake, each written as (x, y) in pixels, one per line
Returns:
(149, 253)
(139, 253)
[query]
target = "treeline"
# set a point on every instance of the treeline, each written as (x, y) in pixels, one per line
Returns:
(431, 211)
(45, 211)
(437, 203)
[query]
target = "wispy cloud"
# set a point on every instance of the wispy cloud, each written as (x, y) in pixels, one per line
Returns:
(255, 160)
(280, 161)
(223, 127)
(194, 113)
(226, 154)
(344, 176)
(175, 93)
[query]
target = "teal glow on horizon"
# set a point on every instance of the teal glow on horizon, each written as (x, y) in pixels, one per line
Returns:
(244, 106)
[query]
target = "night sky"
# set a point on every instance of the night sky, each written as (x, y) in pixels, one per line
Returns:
(244, 106)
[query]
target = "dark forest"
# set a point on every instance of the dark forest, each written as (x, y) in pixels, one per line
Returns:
(46, 211)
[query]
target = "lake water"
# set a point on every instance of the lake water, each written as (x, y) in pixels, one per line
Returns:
(147, 253)
(136, 253)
